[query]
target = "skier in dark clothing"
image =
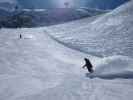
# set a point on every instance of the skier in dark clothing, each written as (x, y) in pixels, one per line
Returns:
(20, 36)
(88, 65)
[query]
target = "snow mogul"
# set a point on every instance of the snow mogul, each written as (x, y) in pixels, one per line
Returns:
(88, 65)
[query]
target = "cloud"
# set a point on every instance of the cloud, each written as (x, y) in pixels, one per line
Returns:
(9, 1)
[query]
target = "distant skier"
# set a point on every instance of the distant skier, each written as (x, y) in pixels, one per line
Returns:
(88, 65)
(20, 36)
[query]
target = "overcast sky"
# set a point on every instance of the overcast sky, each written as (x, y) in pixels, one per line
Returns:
(101, 4)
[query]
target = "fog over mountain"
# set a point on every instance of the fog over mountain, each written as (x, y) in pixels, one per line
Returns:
(100, 4)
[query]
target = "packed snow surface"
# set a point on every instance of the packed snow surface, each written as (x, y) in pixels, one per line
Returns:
(46, 63)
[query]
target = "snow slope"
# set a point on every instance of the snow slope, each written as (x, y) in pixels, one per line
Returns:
(42, 66)
(25, 69)
(38, 67)
(110, 34)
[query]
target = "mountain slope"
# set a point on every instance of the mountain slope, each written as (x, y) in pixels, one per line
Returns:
(110, 34)
(8, 5)
(44, 17)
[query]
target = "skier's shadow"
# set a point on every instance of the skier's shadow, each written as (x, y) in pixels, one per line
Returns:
(125, 75)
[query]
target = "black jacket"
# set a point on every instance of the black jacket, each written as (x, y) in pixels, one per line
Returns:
(88, 65)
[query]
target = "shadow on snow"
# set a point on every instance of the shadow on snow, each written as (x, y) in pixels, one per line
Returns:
(124, 75)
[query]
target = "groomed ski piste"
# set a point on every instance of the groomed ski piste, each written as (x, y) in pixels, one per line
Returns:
(46, 63)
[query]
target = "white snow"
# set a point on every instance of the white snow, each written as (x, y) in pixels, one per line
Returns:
(36, 10)
(46, 63)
